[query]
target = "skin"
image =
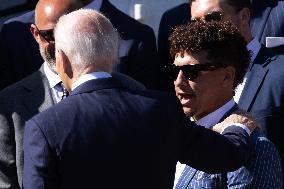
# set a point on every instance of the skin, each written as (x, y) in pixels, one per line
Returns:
(196, 96)
(241, 19)
(47, 13)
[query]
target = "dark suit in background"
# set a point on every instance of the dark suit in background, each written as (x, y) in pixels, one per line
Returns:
(105, 135)
(19, 50)
(263, 95)
(170, 19)
(138, 54)
(267, 19)
(19, 103)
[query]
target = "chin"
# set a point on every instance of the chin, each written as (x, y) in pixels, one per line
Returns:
(188, 111)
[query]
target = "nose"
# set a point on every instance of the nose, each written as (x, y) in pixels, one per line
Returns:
(180, 79)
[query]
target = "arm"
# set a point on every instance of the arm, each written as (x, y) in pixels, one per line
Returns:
(39, 164)
(208, 151)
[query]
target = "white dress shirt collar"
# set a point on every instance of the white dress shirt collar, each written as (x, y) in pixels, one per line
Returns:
(90, 76)
(95, 4)
(253, 46)
(53, 78)
(214, 117)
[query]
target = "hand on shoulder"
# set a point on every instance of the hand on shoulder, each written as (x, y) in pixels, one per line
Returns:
(236, 118)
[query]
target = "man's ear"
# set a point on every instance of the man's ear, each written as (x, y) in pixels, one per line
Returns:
(34, 32)
(65, 64)
(229, 76)
(245, 15)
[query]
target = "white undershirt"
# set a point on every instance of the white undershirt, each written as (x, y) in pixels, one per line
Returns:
(53, 80)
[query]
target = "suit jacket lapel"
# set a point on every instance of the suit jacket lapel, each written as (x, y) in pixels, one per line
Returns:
(255, 78)
(260, 16)
(38, 95)
(229, 112)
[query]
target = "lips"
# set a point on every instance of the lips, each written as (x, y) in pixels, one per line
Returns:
(185, 98)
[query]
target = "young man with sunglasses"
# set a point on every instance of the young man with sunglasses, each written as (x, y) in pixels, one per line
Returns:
(262, 91)
(267, 20)
(210, 61)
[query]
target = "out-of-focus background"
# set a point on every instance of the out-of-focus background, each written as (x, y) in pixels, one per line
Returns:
(146, 11)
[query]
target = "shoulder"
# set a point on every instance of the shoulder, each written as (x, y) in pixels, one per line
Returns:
(265, 162)
(17, 91)
(176, 11)
(24, 18)
(263, 146)
(16, 24)
(127, 26)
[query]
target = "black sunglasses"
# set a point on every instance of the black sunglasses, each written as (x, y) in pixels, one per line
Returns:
(47, 35)
(211, 16)
(191, 71)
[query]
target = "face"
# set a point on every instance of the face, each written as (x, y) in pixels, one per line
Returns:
(46, 15)
(200, 96)
(200, 8)
(43, 33)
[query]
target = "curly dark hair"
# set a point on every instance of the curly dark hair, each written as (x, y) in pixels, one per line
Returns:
(221, 40)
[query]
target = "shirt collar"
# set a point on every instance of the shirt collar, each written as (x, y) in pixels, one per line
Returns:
(214, 117)
(90, 76)
(253, 46)
(95, 4)
(53, 78)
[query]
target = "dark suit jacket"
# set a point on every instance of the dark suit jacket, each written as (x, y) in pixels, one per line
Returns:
(105, 135)
(267, 19)
(263, 94)
(265, 162)
(18, 103)
(138, 54)
(170, 19)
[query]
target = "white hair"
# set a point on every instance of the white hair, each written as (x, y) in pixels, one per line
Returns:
(87, 37)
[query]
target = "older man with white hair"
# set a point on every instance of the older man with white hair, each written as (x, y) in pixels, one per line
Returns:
(107, 135)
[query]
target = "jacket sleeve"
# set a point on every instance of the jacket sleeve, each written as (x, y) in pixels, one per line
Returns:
(211, 152)
(39, 165)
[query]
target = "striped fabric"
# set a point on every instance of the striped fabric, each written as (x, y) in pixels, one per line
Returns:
(263, 171)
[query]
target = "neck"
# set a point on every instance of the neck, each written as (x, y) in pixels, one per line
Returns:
(218, 104)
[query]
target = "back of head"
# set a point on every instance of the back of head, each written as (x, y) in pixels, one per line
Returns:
(88, 39)
(221, 40)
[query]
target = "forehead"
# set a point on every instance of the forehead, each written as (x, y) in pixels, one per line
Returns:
(48, 12)
(200, 8)
(190, 58)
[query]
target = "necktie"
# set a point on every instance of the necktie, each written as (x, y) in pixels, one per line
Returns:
(65, 92)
